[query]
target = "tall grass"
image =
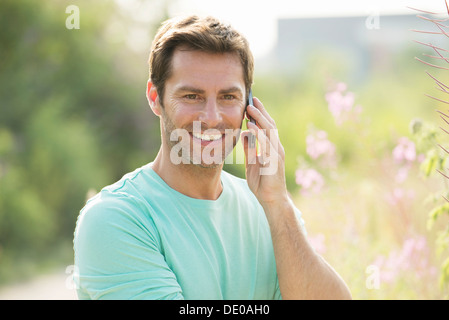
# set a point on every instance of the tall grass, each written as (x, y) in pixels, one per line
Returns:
(437, 156)
(368, 216)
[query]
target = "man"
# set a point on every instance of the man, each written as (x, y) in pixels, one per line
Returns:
(181, 227)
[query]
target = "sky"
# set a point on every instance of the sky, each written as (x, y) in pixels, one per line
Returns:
(257, 19)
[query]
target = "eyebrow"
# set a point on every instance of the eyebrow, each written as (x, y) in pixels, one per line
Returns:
(231, 90)
(200, 91)
(189, 89)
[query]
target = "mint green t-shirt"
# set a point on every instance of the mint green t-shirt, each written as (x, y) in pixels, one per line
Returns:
(141, 239)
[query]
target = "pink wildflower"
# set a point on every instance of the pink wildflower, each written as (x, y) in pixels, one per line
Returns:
(404, 154)
(405, 151)
(413, 257)
(318, 146)
(309, 180)
(341, 104)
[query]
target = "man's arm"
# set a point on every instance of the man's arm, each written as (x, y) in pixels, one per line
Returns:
(302, 273)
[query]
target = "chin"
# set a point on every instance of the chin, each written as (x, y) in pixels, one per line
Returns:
(206, 165)
(210, 166)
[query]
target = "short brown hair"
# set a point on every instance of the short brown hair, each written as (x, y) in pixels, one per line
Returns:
(206, 34)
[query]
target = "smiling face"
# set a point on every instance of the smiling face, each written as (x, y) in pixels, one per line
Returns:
(205, 98)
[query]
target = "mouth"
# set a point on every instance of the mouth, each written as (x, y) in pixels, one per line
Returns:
(207, 137)
(204, 139)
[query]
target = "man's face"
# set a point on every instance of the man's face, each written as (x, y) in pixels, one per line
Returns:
(204, 99)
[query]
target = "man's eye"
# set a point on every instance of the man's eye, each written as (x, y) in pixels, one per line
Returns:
(191, 96)
(228, 97)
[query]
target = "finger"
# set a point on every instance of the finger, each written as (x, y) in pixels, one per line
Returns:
(268, 138)
(260, 117)
(267, 151)
(261, 121)
(249, 150)
(259, 105)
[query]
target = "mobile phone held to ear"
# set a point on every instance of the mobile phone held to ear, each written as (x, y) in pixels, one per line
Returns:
(250, 102)
(252, 137)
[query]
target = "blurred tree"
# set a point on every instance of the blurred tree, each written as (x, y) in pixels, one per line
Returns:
(73, 117)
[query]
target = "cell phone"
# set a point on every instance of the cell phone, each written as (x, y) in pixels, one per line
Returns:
(250, 102)
(252, 137)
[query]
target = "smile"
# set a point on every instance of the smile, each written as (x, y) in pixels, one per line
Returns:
(206, 137)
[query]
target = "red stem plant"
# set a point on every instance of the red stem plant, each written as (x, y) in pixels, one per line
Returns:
(439, 59)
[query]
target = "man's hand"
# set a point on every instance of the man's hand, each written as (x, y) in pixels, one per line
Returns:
(265, 168)
(302, 273)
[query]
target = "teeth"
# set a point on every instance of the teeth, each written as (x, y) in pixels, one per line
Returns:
(206, 137)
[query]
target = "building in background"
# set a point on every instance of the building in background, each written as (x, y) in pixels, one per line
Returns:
(365, 43)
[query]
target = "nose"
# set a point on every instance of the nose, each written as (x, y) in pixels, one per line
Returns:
(211, 114)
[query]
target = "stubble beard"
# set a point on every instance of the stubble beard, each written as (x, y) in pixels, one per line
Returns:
(191, 157)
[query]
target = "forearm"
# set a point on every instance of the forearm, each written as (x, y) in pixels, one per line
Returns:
(302, 273)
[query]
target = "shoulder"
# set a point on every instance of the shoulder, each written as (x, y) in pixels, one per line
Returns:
(121, 199)
(109, 218)
(108, 206)
(117, 210)
(117, 250)
(112, 230)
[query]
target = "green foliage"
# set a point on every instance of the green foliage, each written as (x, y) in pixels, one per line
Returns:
(444, 279)
(429, 141)
(437, 154)
(68, 106)
(436, 212)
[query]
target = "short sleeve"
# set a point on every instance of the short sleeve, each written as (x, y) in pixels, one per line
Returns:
(118, 254)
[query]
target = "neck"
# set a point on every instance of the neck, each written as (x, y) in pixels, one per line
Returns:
(191, 180)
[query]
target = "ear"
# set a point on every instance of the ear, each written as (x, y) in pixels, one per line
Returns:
(153, 98)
